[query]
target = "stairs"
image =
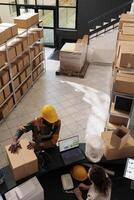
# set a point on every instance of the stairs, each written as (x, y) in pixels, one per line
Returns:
(107, 21)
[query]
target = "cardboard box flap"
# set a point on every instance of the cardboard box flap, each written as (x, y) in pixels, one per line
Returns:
(119, 137)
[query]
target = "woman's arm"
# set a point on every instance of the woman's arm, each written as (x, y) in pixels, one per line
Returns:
(83, 186)
(78, 193)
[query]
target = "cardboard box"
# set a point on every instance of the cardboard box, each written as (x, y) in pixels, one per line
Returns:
(1, 97)
(36, 61)
(41, 57)
(14, 69)
(29, 82)
(28, 70)
(36, 49)
(0, 83)
(16, 82)
(5, 76)
(35, 74)
(122, 37)
(13, 28)
(118, 120)
(126, 18)
(30, 38)
(18, 95)
(2, 59)
(5, 34)
(7, 91)
(35, 36)
(24, 162)
(22, 76)
(26, 59)
(20, 64)
(112, 153)
(7, 107)
(124, 83)
(32, 53)
(24, 40)
(26, 20)
(11, 52)
(119, 137)
(125, 55)
(24, 88)
(17, 43)
(39, 31)
(34, 191)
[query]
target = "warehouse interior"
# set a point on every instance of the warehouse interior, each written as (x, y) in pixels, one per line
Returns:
(69, 62)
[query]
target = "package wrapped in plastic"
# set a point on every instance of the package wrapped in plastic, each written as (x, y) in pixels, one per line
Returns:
(94, 148)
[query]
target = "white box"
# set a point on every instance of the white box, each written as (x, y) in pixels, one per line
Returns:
(29, 190)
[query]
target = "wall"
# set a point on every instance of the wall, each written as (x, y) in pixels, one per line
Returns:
(88, 10)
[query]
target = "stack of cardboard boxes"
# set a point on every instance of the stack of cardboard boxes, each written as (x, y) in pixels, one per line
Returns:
(118, 144)
(21, 60)
(73, 55)
(123, 81)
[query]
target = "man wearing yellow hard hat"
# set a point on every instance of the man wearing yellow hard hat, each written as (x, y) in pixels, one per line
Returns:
(45, 130)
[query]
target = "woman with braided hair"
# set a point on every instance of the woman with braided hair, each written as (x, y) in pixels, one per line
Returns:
(100, 189)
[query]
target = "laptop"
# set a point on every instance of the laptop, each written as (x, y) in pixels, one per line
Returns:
(129, 169)
(70, 150)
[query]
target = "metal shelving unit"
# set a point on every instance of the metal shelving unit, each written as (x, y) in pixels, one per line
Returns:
(8, 65)
(119, 113)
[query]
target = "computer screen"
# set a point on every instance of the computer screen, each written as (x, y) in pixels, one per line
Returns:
(129, 169)
(68, 143)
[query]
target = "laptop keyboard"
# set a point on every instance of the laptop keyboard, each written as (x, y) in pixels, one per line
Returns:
(72, 155)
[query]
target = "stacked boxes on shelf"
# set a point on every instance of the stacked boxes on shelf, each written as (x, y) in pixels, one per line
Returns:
(123, 81)
(20, 57)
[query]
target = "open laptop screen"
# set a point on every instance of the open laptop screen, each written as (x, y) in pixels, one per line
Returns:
(68, 143)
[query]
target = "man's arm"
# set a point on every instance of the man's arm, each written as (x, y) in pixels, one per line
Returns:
(15, 144)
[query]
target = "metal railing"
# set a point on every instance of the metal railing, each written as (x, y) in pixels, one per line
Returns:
(106, 17)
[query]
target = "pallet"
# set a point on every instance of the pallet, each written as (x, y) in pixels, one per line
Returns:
(80, 74)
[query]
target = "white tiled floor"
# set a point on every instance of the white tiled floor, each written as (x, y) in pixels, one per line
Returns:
(82, 104)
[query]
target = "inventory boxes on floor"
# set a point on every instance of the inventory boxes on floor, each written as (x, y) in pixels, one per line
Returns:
(24, 162)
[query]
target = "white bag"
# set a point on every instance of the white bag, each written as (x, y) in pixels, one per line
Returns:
(94, 148)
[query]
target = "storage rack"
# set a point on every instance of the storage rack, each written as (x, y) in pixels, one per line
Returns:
(38, 70)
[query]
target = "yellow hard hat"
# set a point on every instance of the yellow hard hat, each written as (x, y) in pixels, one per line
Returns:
(49, 113)
(79, 173)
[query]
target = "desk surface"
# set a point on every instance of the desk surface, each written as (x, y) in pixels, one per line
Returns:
(51, 180)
